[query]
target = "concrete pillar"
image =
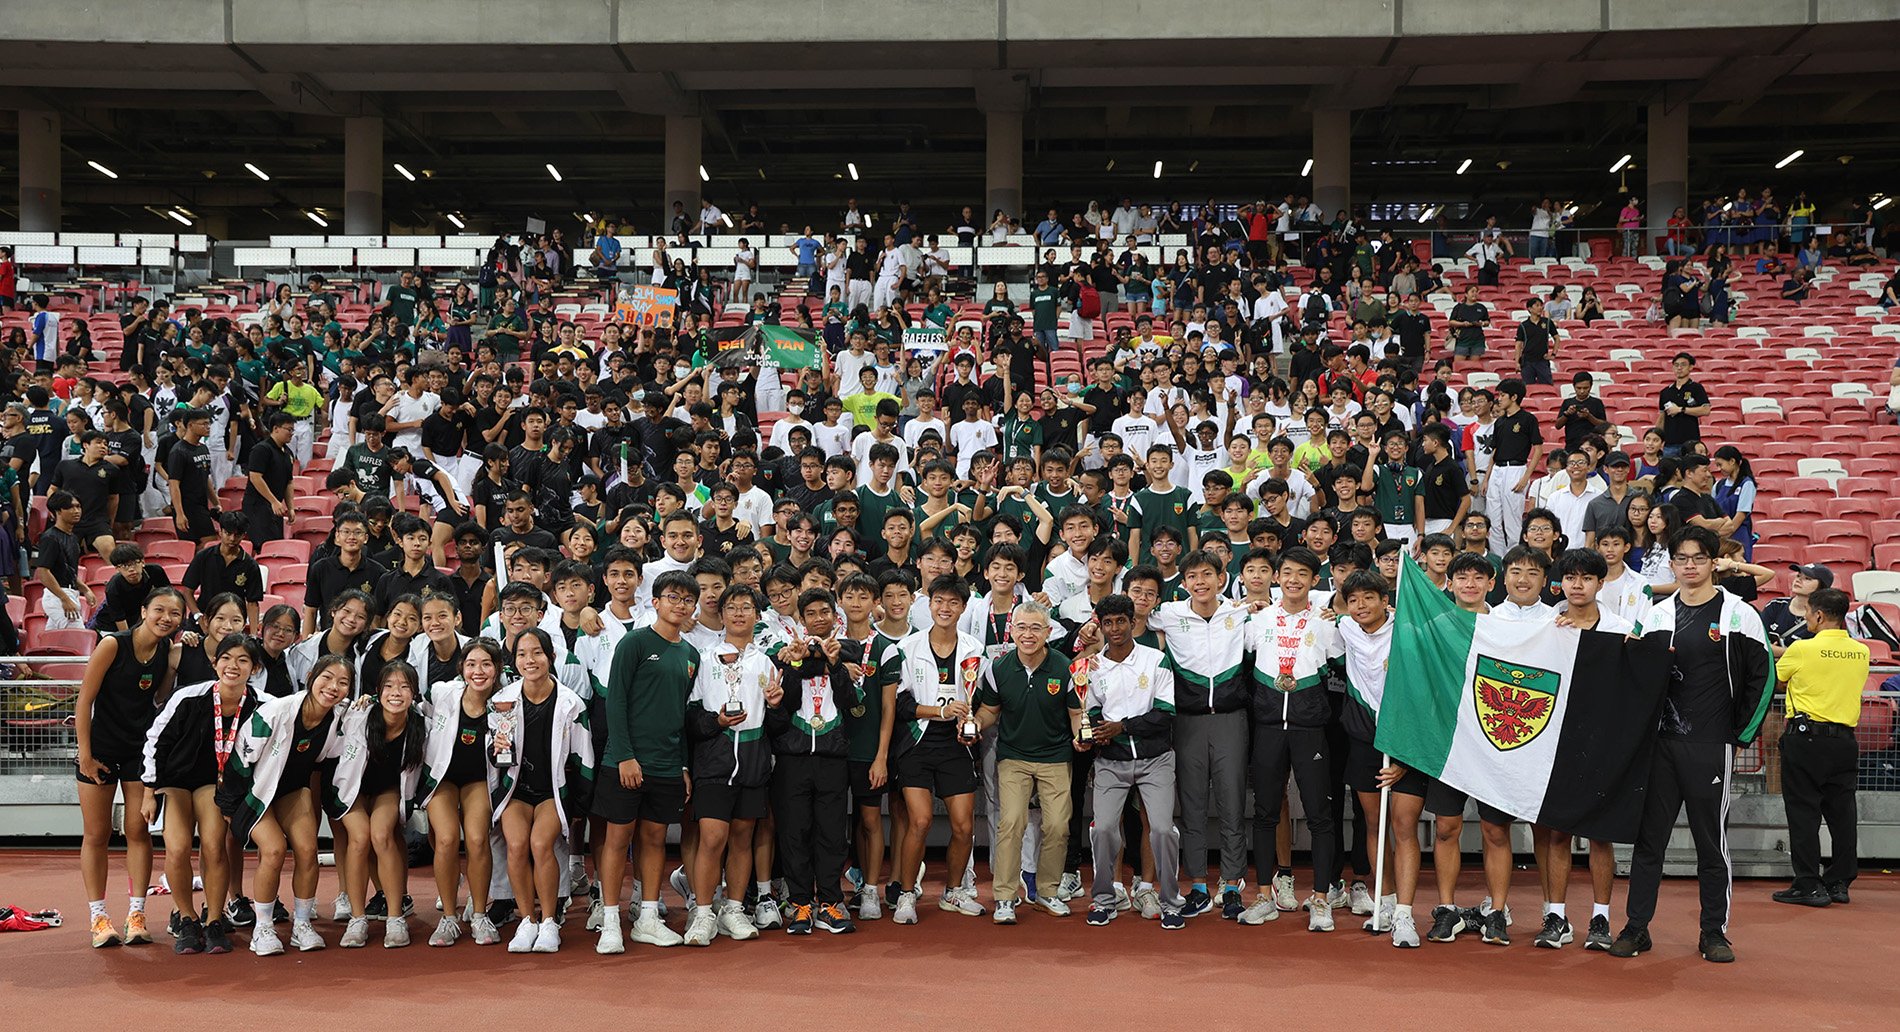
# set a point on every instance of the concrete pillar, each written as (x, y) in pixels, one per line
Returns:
(1668, 167)
(1003, 164)
(685, 139)
(363, 176)
(39, 171)
(1332, 161)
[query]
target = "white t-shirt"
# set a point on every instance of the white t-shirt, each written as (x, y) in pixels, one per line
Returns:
(781, 437)
(754, 507)
(968, 437)
(847, 366)
(740, 270)
(1197, 464)
(861, 454)
(408, 409)
(832, 440)
(1137, 433)
(916, 427)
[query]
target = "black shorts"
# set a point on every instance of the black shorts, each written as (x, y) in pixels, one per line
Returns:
(118, 768)
(199, 524)
(529, 794)
(862, 794)
(719, 801)
(128, 511)
(944, 768)
(597, 725)
(1362, 771)
(1446, 801)
(87, 533)
(657, 800)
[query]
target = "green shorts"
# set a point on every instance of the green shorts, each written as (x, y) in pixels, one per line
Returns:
(1468, 349)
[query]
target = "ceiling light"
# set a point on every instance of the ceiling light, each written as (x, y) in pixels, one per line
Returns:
(258, 172)
(456, 222)
(761, 173)
(852, 167)
(102, 170)
(318, 219)
(179, 217)
(1307, 169)
(404, 172)
(725, 218)
(1464, 166)
(1192, 165)
(1157, 170)
(703, 177)
(1790, 159)
(1426, 215)
(1111, 165)
(1620, 162)
(1882, 203)
(555, 172)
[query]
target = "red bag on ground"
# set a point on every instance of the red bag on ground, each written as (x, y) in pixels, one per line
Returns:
(13, 919)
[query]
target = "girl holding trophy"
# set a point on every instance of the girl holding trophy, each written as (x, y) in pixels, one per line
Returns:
(542, 734)
(454, 788)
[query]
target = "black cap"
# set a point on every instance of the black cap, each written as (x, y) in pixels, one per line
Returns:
(1616, 458)
(1819, 573)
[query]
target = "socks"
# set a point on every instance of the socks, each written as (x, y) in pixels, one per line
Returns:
(135, 904)
(650, 907)
(305, 910)
(1283, 872)
(1200, 886)
(265, 910)
(1401, 908)
(1601, 910)
(1558, 909)
(764, 888)
(702, 909)
(1140, 886)
(1390, 899)
(97, 909)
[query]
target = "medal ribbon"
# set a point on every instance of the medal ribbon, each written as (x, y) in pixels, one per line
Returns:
(1288, 648)
(222, 741)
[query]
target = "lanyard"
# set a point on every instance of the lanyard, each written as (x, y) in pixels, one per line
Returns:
(222, 740)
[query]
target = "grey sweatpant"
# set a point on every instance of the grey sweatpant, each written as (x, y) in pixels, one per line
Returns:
(1153, 777)
(1211, 751)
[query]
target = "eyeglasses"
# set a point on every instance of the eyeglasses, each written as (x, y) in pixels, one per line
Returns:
(1692, 560)
(520, 609)
(678, 599)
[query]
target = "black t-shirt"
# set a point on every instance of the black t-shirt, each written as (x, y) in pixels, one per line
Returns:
(1513, 437)
(1443, 486)
(48, 432)
(1682, 428)
(127, 444)
(942, 730)
(1058, 429)
(330, 578)
(468, 600)
(274, 465)
(1414, 330)
(1108, 402)
(1576, 427)
(1535, 338)
(1699, 705)
(189, 466)
(96, 487)
(209, 575)
(125, 599)
(444, 432)
(59, 555)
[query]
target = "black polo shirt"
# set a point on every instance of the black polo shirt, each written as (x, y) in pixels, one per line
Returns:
(1682, 428)
(210, 574)
(1513, 437)
(275, 466)
(1414, 330)
(96, 487)
(1443, 486)
(330, 578)
(468, 599)
(1535, 338)
(399, 582)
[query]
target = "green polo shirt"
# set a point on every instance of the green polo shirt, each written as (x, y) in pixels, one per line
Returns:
(862, 723)
(1033, 725)
(647, 688)
(1395, 494)
(1161, 509)
(1043, 307)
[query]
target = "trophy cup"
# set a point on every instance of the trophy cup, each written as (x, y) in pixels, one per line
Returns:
(505, 736)
(733, 707)
(969, 670)
(1079, 677)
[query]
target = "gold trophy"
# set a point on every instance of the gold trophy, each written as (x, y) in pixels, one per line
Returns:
(1079, 677)
(969, 670)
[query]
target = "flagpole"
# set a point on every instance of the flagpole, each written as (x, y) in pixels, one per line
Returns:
(1378, 863)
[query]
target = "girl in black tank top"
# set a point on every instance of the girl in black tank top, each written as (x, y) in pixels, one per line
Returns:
(197, 648)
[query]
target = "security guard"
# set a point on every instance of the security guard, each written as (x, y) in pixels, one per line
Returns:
(1824, 675)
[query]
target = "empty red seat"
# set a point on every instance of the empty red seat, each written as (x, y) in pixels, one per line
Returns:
(1865, 487)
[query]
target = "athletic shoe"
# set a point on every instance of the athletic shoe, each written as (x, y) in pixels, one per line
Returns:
(1382, 921)
(960, 901)
(1261, 911)
(1319, 913)
(610, 938)
(1026, 885)
(1360, 901)
(1100, 915)
(1598, 938)
(1631, 943)
(1485, 908)
(781, 888)
(833, 918)
(189, 938)
(1196, 904)
(905, 912)
(766, 914)
(1837, 892)
(548, 938)
(408, 905)
(1715, 949)
(1148, 902)
(483, 931)
(1230, 902)
(701, 927)
(355, 934)
(1123, 902)
(1404, 929)
(870, 908)
(136, 934)
(396, 933)
(1005, 912)
(733, 922)
(855, 876)
(447, 931)
(798, 919)
(305, 937)
(218, 936)
(523, 939)
(1071, 887)
(1447, 922)
(1497, 930)
(264, 941)
(680, 885)
(340, 907)
(576, 873)
(1818, 896)
(1551, 936)
(1053, 906)
(175, 923)
(648, 928)
(1336, 896)
(279, 914)
(1173, 920)
(1284, 895)
(241, 912)
(891, 892)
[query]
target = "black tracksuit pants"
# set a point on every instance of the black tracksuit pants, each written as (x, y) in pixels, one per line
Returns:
(1304, 753)
(811, 804)
(1692, 775)
(1819, 770)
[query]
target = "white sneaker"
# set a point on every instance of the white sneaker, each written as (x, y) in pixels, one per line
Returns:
(1122, 900)
(1148, 901)
(1404, 931)
(701, 927)
(1319, 911)
(960, 901)
(1284, 896)
(548, 939)
(1382, 921)
(1071, 887)
(1336, 896)
(340, 909)
(906, 909)
(1005, 912)
(633, 905)
(525, 933)
(610, 938)
(264, 940)
(680, 885)
(355, 934)
(577, 875)
(1052, 906)
(648, 928)
(767, 913)
(594, 912)
(396, 933)
(304, 937)
(447, 931)
(733, 923)
(870, 905)
(1360, 899)
(1263, 910)
(483, 931)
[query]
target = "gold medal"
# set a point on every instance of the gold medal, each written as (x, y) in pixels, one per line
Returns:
(1285, 683)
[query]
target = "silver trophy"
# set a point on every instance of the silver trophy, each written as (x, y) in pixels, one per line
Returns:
(733, 708)
(505, 736)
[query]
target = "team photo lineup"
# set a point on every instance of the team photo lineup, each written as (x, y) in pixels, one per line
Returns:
(784, 593)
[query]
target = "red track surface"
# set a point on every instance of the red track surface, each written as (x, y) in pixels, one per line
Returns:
(1798, 968)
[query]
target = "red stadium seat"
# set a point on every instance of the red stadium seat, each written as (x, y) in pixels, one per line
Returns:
(1839, 530)
(299, 550)
(1864, 487)
(70, 642)
(1886, 556)
(173, 551)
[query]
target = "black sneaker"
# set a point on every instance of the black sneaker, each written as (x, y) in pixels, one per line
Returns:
(409, 905)
(798, 920)
(1496, 932)
(218, 936)
(1551, 936)
(241, 912)
(1715, 949)
(1837, 892)
(833, 918)
(280, 914)
(378, 908)
(502, 911)
(1447, 922)
(1230, 903)
(1598, 937)
(174, 924)
(188, 937)
(891, 892)
(1817, 896)
(1633, 942)
(1101, 915)
(1197, 903)
(1172, 919)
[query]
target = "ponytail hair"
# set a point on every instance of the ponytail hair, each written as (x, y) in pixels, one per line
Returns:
(408, 745)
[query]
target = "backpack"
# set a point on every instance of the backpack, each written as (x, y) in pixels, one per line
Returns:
(1089, 304)
(1867, 624)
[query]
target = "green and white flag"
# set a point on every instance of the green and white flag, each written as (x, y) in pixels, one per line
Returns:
(788, 348)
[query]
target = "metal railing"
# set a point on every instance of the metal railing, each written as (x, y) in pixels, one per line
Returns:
(37, 718)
